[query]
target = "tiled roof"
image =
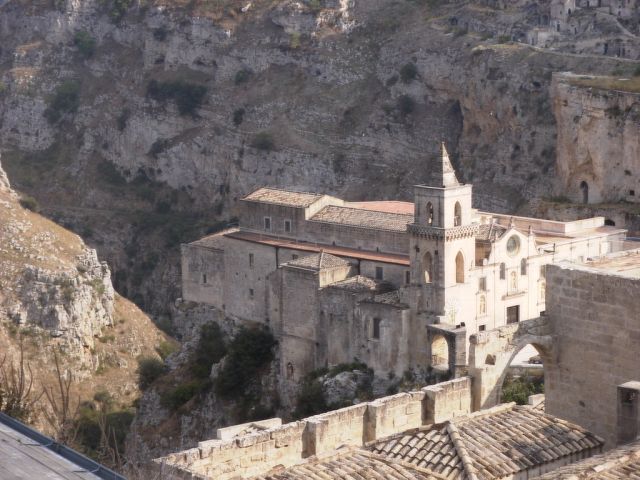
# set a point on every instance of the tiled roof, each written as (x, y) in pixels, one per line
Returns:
(352, 464)
(283, 197)
(623, 463)
(492, 443)
(318, 261)
(490, 232)
(357, 283)
(390, 298)
(389, 206)
(358, 217)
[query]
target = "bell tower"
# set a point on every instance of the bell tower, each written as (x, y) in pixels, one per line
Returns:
(441, 240)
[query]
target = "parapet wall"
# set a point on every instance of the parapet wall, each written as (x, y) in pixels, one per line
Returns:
(289, 444)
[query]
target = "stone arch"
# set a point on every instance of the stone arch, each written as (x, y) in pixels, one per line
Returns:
(459, 268)
(584, 188)
(457, 215)
(609, 222)
(439, 351)
(429, 213)
(427, 267)
(491, 352)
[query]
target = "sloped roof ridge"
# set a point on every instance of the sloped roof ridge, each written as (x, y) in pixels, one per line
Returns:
(463, 454)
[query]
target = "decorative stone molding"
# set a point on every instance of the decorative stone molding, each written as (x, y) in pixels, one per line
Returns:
(436, 233)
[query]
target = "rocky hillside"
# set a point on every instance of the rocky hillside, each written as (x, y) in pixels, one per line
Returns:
(57, 301)
(140, 125)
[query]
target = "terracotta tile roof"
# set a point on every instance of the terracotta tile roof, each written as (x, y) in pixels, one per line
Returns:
(318, 261)
(622, 463)
(283, 197)
(389, 206)
(352, 464)
(358, 217)
(490, 232)
(489, 444)
(357, 283)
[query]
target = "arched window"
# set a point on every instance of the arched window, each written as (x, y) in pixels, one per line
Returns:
(429, 213)
(290, 370)
(523, 266)
(513, 282)
(482, 305)
(584, 187)
(457, 215)
(439, 351)
(427, 265)
(459, 268)
(503, 271)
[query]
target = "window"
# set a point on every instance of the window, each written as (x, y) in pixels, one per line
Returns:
(251, 260)
(376, 328)
(379, 273)
(457, 215)
(251, 293)
(294, 256)
(513, 314)
(407, 277)
(427, 265)
(503, 271)
(632, 193)
(482, 284)
(459, 268)
(482, 305)
(523, 266)
(513, 246)
(429, 214)
(287, 226)
(267, 223)
(482, 328)
(204, 278)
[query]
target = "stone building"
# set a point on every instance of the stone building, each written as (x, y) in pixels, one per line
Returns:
(396, 284)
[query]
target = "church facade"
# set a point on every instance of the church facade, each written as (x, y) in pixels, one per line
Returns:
(397, 285)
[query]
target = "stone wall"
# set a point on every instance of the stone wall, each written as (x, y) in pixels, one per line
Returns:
(596, 328)
(289, 444)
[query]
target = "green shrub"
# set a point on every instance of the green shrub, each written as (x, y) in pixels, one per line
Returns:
(519, 389)
(248, 353)
(66, 100)
(614, 111)
(123, 119)
(119, 9)
(159, 146)
(636, 72)
(238, 116)
(311, 399)
(149, 370)
(406, 105)
(263, 141)
(108, 172)
(504, 38)
(181, 394)
(165, 349)
(85, 43)
(210, 350)
(408, 72)
(29, 203)
(242, 76)
(187, 96)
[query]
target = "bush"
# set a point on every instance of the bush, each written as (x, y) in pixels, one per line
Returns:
(188, 96)
(118, 9)
(65, 100)
(519, 389)
(242, 76)
(311, 399)
(238, 116)
(29, 203)
(263, 141)
(123, 119)
(85, 43)
(210, 350)
(504, 38)
(406, 105)
(161, 33)
(159, 146)
(108, 172)
(408, 72)
(248, 353)
(149, 370)
(165, 349)
(178, 396)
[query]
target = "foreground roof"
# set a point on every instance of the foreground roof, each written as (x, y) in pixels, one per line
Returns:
(352, 464)
(318, 261)
(357, 217)
(283, 197)
(623, 463)
(489, 444)
(25, 453)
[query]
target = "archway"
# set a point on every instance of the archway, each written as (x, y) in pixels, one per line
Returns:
(459, 268)
(427, 266)
(457, 215)
(439, 353)
(609, 222)
(523, 376)
(584, 187)
(429, 213)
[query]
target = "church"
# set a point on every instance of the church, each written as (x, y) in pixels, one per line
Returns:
(397, 285)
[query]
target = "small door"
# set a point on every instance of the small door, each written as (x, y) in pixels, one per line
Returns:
(513, 314)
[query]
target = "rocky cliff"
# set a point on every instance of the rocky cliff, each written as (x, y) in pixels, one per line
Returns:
(139, 126)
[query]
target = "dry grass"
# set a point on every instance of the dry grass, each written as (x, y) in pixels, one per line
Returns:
(630, 85)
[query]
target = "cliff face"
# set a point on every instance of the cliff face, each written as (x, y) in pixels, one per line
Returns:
(598, 157)
(141, 127)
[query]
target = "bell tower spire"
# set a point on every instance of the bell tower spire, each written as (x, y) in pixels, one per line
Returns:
(443, 175)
